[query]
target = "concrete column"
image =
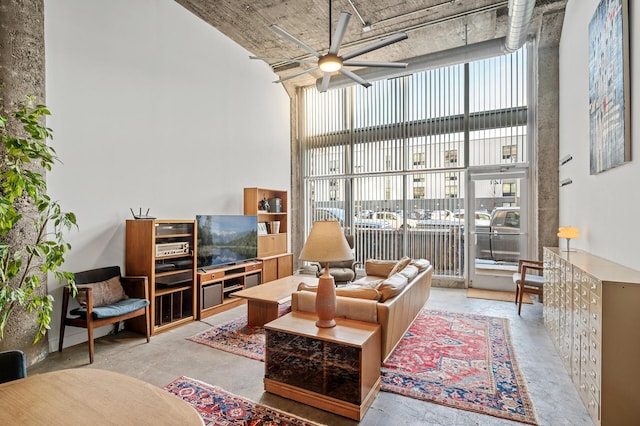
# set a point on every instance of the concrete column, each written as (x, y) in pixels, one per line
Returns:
(548, 120)
(22, 72)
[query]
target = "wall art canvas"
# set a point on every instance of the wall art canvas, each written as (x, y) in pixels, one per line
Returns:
(609, 99)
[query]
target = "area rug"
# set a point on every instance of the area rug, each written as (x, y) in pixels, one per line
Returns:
(502, 296)
(460, 360)
(465, 361)
(237, 337)
(219, 407)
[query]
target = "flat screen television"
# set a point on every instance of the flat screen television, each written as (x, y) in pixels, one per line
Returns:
(226, 239)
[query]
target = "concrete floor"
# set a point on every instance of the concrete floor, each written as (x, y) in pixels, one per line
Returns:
(169, 355)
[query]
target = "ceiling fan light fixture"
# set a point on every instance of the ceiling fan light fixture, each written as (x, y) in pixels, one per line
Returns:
(330, 63)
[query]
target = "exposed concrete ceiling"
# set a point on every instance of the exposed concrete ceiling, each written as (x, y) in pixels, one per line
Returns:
(431, 25)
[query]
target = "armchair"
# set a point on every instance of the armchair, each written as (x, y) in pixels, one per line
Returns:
(13, 365)
(343, 272)
(105, 297)
(527, 280)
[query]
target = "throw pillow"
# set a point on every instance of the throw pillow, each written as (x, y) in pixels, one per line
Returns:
(400, 265)
(392, 286)
(104, 292)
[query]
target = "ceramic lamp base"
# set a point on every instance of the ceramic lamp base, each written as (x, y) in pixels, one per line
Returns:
(326, 301)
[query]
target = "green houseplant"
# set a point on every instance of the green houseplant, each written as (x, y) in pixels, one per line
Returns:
(27, 210)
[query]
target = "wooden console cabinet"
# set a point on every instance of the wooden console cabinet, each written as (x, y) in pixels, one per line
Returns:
(592, 312)
(335, 369)
(215, 286)
(277, 266)
(272, 247)
(164, 252)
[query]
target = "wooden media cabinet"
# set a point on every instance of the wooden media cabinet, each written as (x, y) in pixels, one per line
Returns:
(215, 286)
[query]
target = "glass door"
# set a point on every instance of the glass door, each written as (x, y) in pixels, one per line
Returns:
(498, 227)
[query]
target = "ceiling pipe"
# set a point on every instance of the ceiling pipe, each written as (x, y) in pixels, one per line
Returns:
(520, 14)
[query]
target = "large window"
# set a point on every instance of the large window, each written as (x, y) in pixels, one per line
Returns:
(402, 149)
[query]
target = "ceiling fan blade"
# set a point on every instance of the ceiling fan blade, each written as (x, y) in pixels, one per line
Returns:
(291, 38)
(324, 86)
(289, 77)
(340, 31)
(377, 45)
(300, 61)
(375, 64)
(355, 77)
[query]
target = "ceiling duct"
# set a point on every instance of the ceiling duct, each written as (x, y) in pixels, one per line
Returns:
(520, 13)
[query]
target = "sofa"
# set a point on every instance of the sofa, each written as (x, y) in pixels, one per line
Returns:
(391, 294)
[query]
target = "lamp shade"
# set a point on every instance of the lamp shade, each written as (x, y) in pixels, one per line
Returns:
(326, 243)
(568, 232)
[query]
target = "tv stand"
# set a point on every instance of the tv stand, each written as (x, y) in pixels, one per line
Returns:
(215, 286)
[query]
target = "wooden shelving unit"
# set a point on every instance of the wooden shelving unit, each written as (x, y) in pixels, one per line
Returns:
(272, 247)
(164, 252)
(215, 286)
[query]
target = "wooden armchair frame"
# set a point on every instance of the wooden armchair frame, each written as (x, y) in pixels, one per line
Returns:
(134, 287)
(527, 282)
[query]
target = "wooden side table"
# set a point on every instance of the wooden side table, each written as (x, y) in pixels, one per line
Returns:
(335, 369)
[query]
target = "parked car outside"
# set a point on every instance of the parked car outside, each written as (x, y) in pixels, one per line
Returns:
(386, 220)
(331, 213)
(441, 215)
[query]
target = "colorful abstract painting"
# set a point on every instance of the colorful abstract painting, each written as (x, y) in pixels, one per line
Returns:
(609, 103)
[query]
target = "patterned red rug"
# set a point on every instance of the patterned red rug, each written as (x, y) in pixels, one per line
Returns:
(219, 407)
(237, 337)
(464, 361)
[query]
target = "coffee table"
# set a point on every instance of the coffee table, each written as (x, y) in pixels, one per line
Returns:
(263, 300)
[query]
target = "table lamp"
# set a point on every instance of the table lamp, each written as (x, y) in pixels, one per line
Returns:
(326, 243)
(568, 232)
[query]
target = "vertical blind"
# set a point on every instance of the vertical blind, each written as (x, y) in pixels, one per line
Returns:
(389, 162)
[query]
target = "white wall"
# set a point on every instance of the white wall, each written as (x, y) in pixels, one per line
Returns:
(152, 108)
(605, 206)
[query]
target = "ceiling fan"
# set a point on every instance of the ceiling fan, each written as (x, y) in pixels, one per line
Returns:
(331, 62)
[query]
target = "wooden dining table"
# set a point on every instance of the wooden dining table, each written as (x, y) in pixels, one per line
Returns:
(90, 396)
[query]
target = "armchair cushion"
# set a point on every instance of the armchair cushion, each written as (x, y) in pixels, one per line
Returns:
(118, 308)
(104, 292)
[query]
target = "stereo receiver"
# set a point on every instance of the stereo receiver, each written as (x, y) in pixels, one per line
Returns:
(171, 249)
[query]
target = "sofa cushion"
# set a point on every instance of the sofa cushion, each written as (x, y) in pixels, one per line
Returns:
(400, 265)
(116, 309)
(350, 290)
(421, 264)
(379, 268)
(410, 271)
(392, 286)
(104, 292)
(369, 281)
